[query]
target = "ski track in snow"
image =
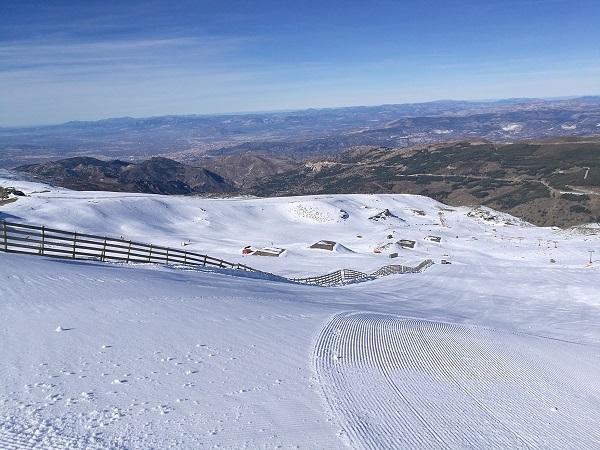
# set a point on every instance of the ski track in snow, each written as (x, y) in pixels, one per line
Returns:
(405, 383)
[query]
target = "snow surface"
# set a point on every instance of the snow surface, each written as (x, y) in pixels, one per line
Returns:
(440, 385)
(500, 349)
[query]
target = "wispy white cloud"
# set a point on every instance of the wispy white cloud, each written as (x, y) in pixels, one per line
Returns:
(185, 51)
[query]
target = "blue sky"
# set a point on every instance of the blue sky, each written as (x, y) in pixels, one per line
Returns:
(85, 60)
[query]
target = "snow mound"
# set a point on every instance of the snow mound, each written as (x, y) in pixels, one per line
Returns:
(405, 383)
(316, 212)
(341, 248)
(589, 229)
(495, 217)
(510, 127)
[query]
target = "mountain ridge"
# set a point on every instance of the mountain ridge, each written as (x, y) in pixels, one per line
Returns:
(154, 176)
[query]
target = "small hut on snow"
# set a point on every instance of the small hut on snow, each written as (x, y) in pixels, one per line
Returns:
(324, 245)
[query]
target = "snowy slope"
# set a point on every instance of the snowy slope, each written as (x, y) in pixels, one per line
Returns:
(153, 358)
(222, 227)
(500, 349)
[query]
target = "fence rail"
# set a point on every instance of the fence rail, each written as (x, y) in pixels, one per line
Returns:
(43, 241)
(51, 242)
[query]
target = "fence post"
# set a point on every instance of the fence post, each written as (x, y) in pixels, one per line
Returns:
(128, 252)
(184, 257)
(5, 237)
(43, 240)
(204, 262)
(103, 254)
(150, 254)
(74, 243)
(167, 255)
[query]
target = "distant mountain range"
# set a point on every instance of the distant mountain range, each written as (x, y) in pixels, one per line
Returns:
(302, 134)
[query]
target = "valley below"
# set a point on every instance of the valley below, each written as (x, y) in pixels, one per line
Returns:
(549, 183)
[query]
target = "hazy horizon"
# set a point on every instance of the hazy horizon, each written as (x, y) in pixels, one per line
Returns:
(292, 110)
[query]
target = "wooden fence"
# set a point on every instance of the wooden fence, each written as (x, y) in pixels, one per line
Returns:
(43, 241)
(50, 242)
